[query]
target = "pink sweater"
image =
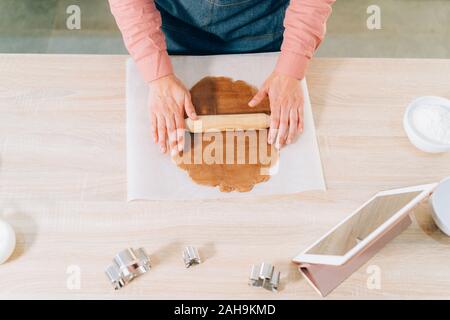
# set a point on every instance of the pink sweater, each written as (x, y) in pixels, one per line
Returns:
(140, 24)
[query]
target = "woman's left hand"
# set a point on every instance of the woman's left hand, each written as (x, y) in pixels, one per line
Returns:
(286, 106)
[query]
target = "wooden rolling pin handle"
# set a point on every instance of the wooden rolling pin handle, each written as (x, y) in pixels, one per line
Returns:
(228, 122)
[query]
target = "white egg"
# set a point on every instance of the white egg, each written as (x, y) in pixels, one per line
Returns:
(7, 241)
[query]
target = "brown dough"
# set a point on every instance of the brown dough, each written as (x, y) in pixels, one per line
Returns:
(220, 95)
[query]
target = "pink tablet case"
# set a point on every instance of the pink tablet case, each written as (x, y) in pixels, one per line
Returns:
(325, 278)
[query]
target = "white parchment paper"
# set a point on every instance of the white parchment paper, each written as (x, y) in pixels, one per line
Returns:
(153, 176)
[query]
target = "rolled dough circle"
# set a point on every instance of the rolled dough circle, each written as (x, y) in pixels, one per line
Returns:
(221, 95)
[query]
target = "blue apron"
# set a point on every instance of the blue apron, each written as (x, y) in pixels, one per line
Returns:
(199, 27)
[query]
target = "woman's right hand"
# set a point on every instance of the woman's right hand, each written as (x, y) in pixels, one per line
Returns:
(168, 99)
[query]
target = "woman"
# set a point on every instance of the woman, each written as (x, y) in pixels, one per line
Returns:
(222, 26)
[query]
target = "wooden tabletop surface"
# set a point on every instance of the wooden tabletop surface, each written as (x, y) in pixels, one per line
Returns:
(63, 188)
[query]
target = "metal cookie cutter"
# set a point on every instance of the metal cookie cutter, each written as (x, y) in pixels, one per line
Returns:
(264, 276)
(191, 256)
(127, 265)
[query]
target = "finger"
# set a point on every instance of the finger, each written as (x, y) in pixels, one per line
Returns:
(274, 122)
(189, 107)
(258, 97)
(154, 126)
(179, 123)
(284, 126)
(293, 124)
(178, 120)
(172, 133)
(162, 133)
(300, 119)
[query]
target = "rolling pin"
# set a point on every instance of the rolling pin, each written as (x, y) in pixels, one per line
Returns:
(228, 122)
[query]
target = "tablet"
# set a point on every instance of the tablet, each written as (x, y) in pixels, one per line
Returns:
(365, 224)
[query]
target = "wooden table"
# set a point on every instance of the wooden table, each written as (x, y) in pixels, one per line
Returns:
(63, 187)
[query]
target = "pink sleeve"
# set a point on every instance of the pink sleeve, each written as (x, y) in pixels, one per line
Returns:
(140, 24)
(305, 26)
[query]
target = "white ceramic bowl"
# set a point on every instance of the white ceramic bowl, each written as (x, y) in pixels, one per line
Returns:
(417, 139)
(440, 202)
(7, 241)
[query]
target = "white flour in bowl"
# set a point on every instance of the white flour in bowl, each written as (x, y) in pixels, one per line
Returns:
(433, 122)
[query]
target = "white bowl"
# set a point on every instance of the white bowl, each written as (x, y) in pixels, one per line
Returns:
(417, 139)
(7, 241)
(440, 202)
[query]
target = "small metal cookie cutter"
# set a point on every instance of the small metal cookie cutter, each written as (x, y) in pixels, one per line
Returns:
(265, 276)
(127, 265)
(191, 256)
